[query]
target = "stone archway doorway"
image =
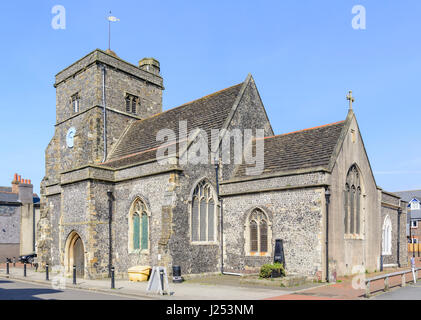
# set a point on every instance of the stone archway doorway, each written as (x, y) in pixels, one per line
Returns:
(75, 254)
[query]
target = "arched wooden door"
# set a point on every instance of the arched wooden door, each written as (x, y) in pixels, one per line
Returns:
(75, 254)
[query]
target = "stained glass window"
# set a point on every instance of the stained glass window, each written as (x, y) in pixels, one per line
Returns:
(140, 226)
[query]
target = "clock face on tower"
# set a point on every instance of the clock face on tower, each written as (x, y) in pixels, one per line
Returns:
(70, 137)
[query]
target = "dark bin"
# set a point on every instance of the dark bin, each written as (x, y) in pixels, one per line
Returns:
(176, 274)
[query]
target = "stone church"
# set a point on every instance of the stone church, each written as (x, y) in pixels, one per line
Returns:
(106, 199)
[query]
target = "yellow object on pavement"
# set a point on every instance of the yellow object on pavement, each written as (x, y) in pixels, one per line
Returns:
(139, 273)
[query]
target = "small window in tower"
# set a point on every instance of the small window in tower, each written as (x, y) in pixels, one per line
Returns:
(134, 102)
(75, 102)
(131, 103)
(128, 104)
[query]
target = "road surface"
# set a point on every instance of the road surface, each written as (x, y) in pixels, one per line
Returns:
(410, 292)
(17, 290)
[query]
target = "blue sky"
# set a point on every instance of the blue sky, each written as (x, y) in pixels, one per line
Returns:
(304, 56)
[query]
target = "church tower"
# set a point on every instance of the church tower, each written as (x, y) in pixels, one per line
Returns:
(84, 133)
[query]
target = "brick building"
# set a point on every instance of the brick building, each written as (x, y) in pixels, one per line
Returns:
(105, 161)
(19, 214)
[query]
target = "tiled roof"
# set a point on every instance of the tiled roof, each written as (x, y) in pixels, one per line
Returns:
(139, 142)
(409, 195)
(303, 149)
(8, 196)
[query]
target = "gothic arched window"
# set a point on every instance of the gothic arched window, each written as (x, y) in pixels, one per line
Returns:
(352, 202)
(136, 231)
(387, 237)
(257, 224)
(138, 226)
(203, 214)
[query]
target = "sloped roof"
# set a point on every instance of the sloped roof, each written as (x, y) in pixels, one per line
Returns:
(409, 195)
(305, 149)
(8, 196)
(139, 142)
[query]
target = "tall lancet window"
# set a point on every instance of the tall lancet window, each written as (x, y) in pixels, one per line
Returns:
(352, 202)
(138, 226)
(258, 240)
(387, 237)
(203, 214)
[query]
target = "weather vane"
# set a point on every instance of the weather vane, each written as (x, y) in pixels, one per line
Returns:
(110, 19)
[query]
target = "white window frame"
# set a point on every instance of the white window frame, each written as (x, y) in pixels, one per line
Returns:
(414, 224)
(387, 237)
(415, 205)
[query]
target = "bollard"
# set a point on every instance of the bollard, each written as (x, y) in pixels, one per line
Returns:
(112, 278)
(367, 289)
(46, 272)
(14, 262)
(24, 269)
(7, 267)
(74, 274)
(161, 274)
(386, 284)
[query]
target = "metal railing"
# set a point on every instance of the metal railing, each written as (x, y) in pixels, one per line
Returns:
(386, 279)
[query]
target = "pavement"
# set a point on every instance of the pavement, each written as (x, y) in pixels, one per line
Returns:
(217, 287)
(353, 288)
(177, 291)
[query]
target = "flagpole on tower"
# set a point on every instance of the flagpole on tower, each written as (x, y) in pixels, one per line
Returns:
(109, 32)
(110, 19)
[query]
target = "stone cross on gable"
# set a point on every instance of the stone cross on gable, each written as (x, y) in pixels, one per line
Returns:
(350, 98)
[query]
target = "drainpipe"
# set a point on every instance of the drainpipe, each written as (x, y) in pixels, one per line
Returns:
(327, 196)
(110, 219)
(222, 214)
(104, 113)
(33, 226)
(222, 222)
(399, 234)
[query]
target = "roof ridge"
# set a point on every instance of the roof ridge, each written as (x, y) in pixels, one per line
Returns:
(302, 130)
(187, 103)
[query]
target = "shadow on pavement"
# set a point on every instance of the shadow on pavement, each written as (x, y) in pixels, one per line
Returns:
(24, 293)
